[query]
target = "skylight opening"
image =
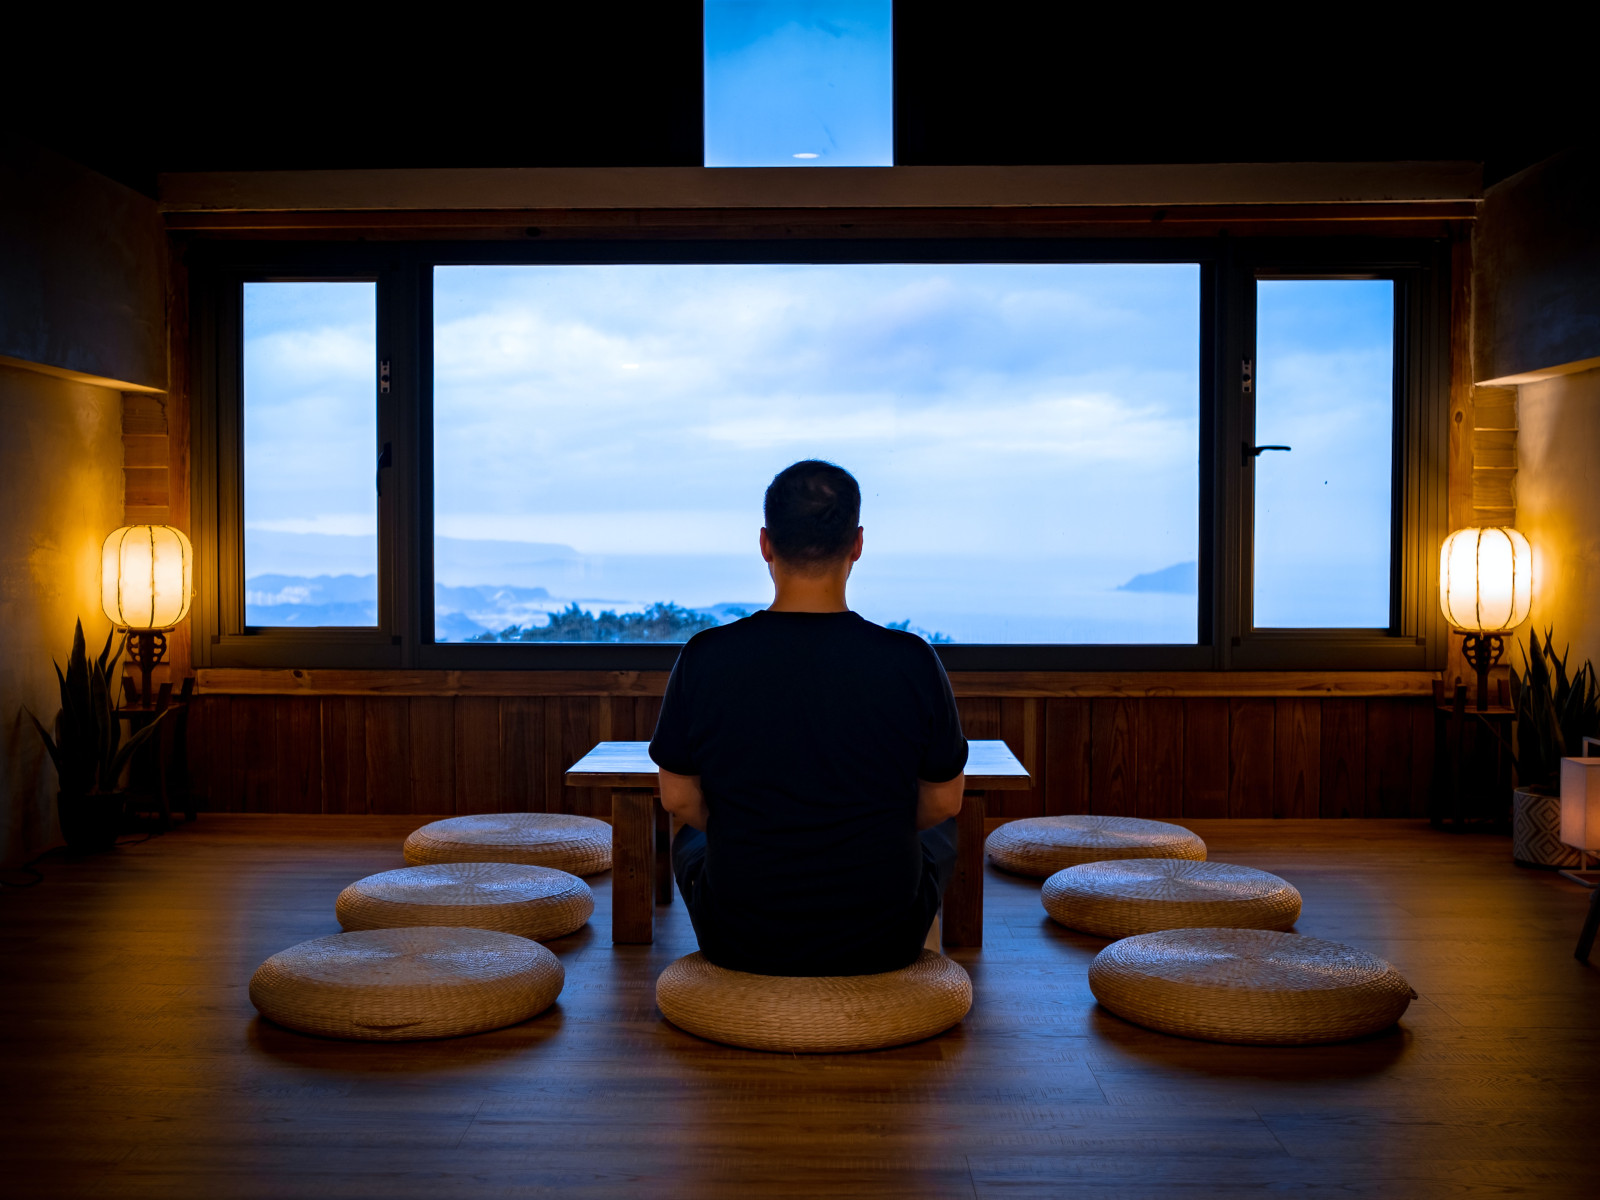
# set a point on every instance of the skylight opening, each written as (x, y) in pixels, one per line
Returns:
(799, 83)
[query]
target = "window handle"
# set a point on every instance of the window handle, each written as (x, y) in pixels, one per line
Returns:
(385, 459)
(1248, 451)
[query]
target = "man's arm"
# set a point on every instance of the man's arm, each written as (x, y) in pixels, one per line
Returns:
(936, 802)
(681, 796)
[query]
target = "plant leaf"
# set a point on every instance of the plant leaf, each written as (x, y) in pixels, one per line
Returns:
(131, 746)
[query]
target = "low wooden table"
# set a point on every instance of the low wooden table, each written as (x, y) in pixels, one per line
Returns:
(641, 856)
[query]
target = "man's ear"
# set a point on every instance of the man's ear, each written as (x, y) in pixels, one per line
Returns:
(861, 540)
(766, 545)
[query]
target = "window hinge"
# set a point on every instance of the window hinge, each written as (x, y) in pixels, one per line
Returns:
(1247, 371)
(383, 378)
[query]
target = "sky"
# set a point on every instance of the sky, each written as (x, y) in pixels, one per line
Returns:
(799, 83)
(1026, 437)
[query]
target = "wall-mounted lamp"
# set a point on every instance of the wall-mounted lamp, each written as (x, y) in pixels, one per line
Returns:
(1485, 590)
(146, 582)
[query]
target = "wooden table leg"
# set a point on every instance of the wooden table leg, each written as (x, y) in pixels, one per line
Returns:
(633, 865)
(963, 901)
(663, 852)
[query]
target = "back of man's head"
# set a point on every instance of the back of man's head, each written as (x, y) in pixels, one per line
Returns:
(813, 510)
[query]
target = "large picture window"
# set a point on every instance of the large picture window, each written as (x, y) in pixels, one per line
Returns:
(554, 456)
(1026, 436)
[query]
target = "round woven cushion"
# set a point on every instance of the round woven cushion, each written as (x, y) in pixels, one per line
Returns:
(403, 984)
(1251, 986)
(814, 1014)
(1045, 845)
(531, 902)
(581, 845)
(1141, 895)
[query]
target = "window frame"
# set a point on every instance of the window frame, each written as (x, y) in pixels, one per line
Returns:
(1228, 269)
(1416, 636)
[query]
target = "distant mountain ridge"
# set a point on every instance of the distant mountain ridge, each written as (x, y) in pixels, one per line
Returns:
(1178, 579)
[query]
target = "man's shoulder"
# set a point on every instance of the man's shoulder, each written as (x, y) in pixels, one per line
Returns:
(738, 637)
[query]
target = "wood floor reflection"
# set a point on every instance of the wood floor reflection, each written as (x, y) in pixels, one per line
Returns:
(137, 1067)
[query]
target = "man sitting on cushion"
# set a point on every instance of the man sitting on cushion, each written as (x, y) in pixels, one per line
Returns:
(804, 748)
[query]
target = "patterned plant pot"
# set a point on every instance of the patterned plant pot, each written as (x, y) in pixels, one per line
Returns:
(1536, 830)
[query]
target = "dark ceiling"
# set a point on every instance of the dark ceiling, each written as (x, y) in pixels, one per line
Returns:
(620, 86)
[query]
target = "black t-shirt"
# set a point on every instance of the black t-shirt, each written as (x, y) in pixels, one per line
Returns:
(809, 732)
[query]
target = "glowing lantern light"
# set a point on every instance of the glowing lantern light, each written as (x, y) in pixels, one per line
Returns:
(1485, 590)
(146, 583)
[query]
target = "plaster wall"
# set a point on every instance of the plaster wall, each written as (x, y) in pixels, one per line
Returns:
(61, 491)
(1558, 507)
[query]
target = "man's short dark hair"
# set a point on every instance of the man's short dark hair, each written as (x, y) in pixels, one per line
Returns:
(813, 510)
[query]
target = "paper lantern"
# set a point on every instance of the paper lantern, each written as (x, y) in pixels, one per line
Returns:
(1486, 579)
(146, 577)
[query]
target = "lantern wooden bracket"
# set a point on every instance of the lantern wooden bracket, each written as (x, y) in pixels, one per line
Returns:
(149, 650)
(1483, 651)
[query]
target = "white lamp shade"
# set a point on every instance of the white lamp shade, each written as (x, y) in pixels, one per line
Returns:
(146, 577)
(1486, 579)
(1580, 803)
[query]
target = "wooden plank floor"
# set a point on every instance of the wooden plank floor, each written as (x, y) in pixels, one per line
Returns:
(135, 1065)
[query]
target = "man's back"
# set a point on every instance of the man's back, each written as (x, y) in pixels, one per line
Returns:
(809, 732)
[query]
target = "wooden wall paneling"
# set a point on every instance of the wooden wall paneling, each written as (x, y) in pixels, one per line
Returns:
(1388, 774)
(1067, 749)
(254, 741)
(585, 720)
(478, 777)
(1297, 787)
(387, 734)
(553, 793)
(210, 730)
(1250, 757)
(1114, 771)
(522, 753)
(1421, 712)
(980, 716)
(298, 751)
(1344, 763)
(1158, 752)
(1019, 729)
(646, 711)
(431, 753)
(344, 754)
(1205, 758)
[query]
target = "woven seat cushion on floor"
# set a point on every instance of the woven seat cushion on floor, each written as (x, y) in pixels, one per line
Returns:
(531, 902)
(581, 845)
(1130, 896)
(1044, 845)
(408, 983)
(814, 1014)
(1251, 986)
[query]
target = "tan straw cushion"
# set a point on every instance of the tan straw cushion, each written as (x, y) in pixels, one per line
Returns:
(1251, 986)
(1044, 845)
(1129, 896)
(816, 1014)
(581, 845)
(531, 902)
(404, 984)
